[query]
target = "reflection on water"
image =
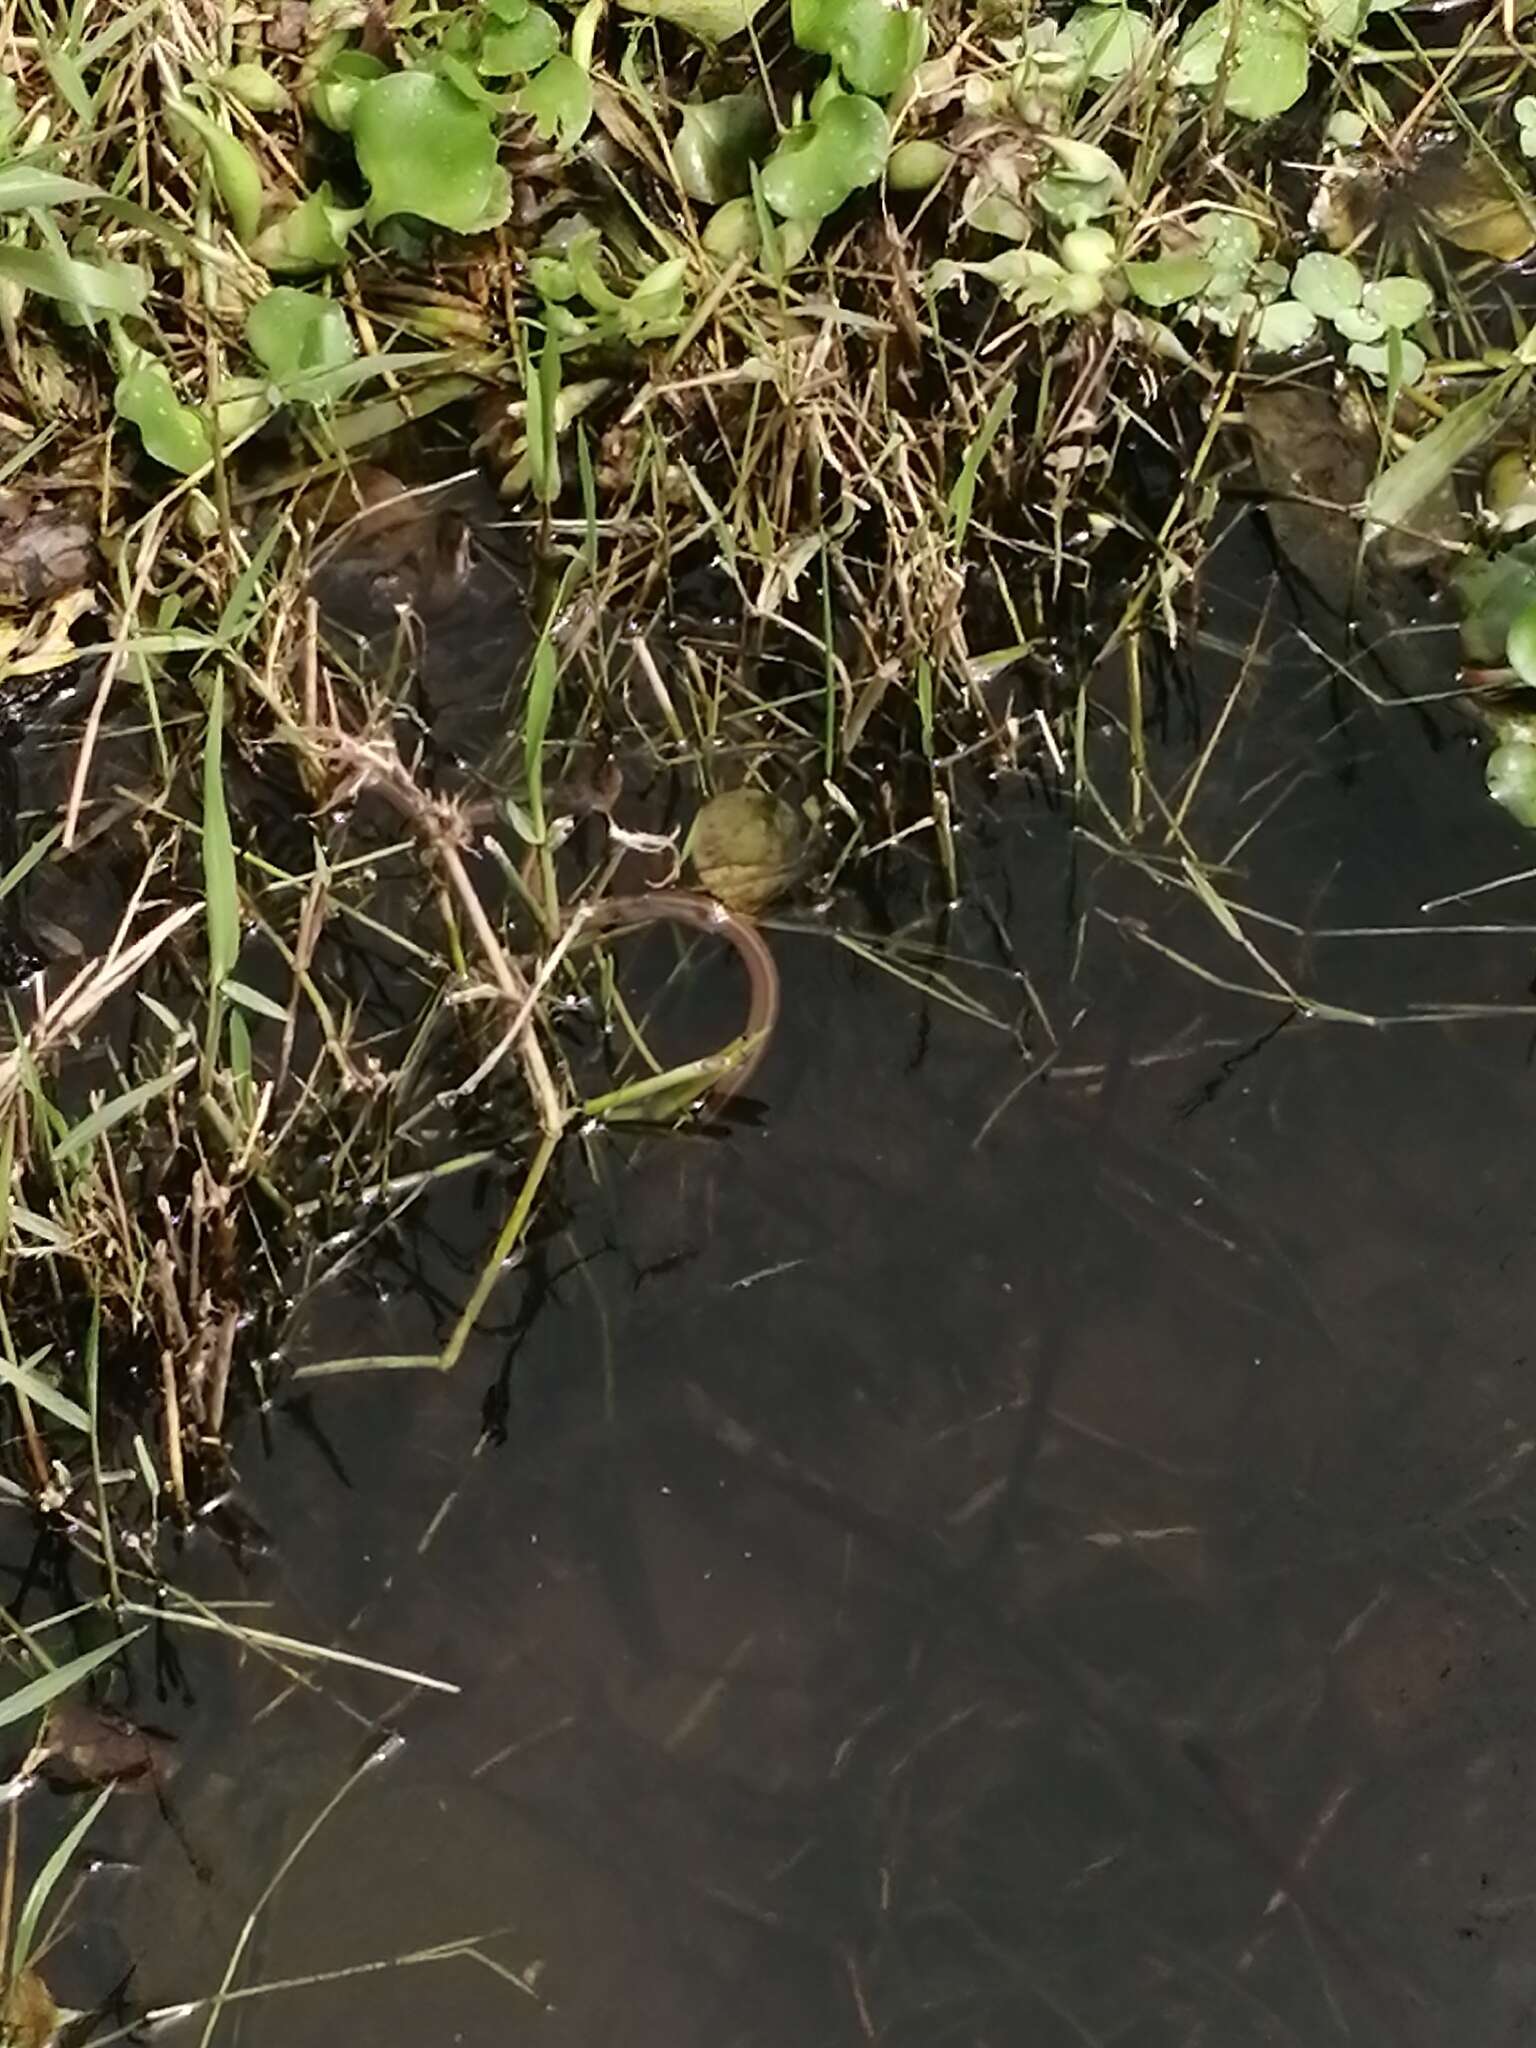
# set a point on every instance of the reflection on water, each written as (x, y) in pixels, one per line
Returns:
(957, 1562)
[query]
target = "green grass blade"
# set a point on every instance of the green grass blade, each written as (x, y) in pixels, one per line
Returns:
(220, 893)
(44, 1882)
(18, 1373)
(129, 1103)
(963, 495)
(42, 1692)
(542, 678)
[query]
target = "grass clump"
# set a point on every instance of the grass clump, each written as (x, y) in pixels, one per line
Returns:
(855, 383)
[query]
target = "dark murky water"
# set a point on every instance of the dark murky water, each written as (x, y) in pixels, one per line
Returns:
(961, 1562)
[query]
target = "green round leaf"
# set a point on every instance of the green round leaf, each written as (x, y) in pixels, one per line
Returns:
(1398, 301)
(1375, 359)
(1520, 647)
(1269, 53)
(1169, 280)
(1112, 39)
(1232, 242)
(1356, 324)
(1327, 285)
(296, 336)
(1284, 326)
(717, 144)
(424, 150)
(519, 46)
(1512, 780)
(821, 163)
(1070, 202)
(875, 47)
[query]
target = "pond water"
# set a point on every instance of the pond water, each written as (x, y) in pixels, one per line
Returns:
(1026, 1540)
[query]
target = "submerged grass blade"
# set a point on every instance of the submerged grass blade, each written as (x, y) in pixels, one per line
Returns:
(45, 1881)
(220, 894)
(41, 1692)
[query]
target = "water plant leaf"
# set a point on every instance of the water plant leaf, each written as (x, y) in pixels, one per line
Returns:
(1375, 359)
(1075, 202)
(1399, 302)
(558, 101)
(1169, 280)
(297, 336)
(173, 433)
(1356, 324)
(708, 21)
(820, 163)
(305, 238)
(334, 95)
(745, 848)
(425, 150)
(717, 144)
(1232, 243)
(518, 46)
(1492, 591)
(874, 46)
(1284, 326)
(1113, 40)
(1327, 285)
(1520, 645)
(1511, 776)
(236, 173)
(1263, 46)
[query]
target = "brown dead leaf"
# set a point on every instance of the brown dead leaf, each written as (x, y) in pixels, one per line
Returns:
(1473, 202)
(44, 553)
(31, 2019)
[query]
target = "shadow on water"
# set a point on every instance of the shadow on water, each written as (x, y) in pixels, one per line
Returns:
(955, 1562)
